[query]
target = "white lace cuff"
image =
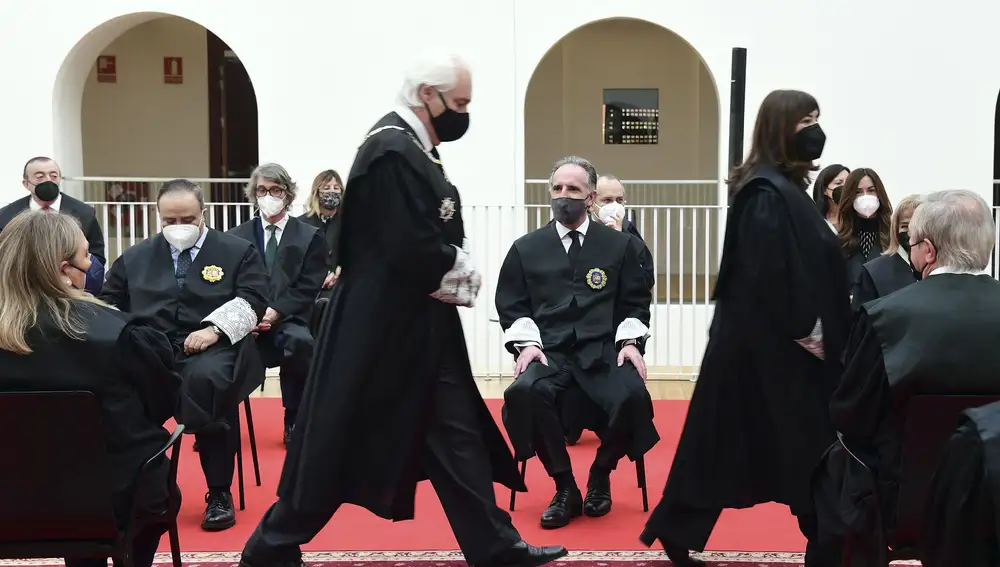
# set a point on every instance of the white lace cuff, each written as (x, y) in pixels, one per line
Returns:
(461, 284)
(235, 318)
(814, 341)
(523, 332)
(631, 328)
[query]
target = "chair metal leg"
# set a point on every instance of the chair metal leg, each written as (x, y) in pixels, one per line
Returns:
(239, 474)
(175, 544)
(253, 441)
(513, 493)
(640, 473)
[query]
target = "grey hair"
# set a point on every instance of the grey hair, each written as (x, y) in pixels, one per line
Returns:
(274, 173)
(439, 70)
(578, 161)
(959, 224)
(181, 186)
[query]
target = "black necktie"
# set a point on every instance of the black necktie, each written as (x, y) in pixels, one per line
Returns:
(271, 248)
(574, 248)
(183, 265)
(437, 156)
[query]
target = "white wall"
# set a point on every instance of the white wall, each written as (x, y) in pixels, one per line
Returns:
(911, 93)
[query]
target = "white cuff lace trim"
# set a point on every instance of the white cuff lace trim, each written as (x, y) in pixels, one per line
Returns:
(631, 328)
(461, 284)
(814, 342)
(523, 332)
(235, 318)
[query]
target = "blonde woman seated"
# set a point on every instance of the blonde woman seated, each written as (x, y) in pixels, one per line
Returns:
(892, 270)
(56, 337)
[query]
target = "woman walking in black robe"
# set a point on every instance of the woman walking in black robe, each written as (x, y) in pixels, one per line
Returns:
(759, 420)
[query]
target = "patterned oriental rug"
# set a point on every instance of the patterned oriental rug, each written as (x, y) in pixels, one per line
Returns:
(454, 559)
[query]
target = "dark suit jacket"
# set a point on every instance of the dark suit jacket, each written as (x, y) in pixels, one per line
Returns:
(75, 207)
(642, 251)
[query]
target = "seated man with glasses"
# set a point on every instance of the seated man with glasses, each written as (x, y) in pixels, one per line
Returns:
(295, 257)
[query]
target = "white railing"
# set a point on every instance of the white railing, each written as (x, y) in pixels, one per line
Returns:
(679, 220)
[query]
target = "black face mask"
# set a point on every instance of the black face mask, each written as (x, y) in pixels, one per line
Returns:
(46, 191)
(329, 201)
(904, 241)
(837, 191)
(567, 210)
(809, 143)
(917, 274)
(450, 125)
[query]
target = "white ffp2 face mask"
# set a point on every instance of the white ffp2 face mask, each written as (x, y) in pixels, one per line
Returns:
(182, 236)
(612, 211)
(866, 205)
(270, 206)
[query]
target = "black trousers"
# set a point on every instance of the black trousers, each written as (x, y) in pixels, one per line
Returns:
(456, 461)
(690, 528)
(217, 446)
(288, 346)
(548, 396)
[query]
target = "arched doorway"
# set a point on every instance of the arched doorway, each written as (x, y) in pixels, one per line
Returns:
(639, 102)
(149, 96)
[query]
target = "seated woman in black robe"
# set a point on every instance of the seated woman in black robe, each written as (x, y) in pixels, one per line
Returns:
(863, 224)
(891, 270)
(56, 337)
(758, 420)
(323, 212)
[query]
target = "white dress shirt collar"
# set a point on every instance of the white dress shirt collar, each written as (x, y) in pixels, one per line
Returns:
(903, 254)
(35, 206)
(582, 229)
(949, 270)
(408, 116)
(280, 224)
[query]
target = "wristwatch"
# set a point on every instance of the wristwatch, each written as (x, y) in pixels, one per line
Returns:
(628, 342)
(216, 330)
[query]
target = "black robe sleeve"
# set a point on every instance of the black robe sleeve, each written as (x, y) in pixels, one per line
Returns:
(252, 282)
(861, 402)
(95, 239)
(863, 290)
(406, 224)
(634, 296)
(115, 290)
(148, 364)
(512, 300)
(773, 275)
(301, 294)
(645, 258)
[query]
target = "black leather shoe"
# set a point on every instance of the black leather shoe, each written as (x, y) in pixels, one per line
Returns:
(598, 501)
(256, 562)
(565, 505)
(287, 437)
(677, 555)
(523, 555)
(219, 514)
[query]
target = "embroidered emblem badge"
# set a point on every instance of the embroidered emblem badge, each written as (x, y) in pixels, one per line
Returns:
(596, 278)
(447, 209)
(212, 274)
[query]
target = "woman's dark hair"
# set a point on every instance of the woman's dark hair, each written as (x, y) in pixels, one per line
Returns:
(772, 143)
(847, 217)
(823, 181)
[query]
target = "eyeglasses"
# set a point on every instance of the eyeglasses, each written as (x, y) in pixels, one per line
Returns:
(277, 191)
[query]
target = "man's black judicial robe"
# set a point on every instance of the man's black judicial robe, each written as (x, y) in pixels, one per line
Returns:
(645, 257)
(361, 430)
(961, 525)
(537, 282)
(141, 282)
(758, 420)
(880, 277)
(937, 336)
(83, 212)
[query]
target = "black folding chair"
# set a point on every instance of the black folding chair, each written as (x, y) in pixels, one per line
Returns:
(55, 493)
(928, 422)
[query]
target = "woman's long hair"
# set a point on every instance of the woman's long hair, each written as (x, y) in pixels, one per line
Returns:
(823, 181)
(32, 247)
(324, 177)
(904, 208)
(847, 217)
(773, 136)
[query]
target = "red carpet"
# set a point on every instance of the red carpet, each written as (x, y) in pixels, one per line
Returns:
(766, 528)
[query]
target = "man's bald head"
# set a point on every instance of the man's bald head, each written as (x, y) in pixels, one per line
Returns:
(609, 190)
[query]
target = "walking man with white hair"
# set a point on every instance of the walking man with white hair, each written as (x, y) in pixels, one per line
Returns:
(390, 398)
